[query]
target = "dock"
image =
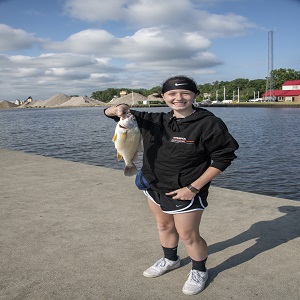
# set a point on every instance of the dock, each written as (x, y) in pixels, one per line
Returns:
(72, 231)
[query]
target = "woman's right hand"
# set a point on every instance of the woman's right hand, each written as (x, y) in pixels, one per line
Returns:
(121, 110)
(117, 110)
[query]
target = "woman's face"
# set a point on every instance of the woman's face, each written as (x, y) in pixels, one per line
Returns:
(179, 100)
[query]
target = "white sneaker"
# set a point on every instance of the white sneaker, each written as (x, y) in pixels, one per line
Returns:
(162, 266)
(195, 283)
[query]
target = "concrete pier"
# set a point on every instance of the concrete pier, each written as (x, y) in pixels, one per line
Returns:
(71, 231)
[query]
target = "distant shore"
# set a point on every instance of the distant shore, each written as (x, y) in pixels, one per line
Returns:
(260, 104)
(241, 104)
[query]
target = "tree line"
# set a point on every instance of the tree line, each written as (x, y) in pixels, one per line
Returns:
(243, 88)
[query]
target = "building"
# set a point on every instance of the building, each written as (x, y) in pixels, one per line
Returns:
(290, 92)
(123, 93)
(291, 85)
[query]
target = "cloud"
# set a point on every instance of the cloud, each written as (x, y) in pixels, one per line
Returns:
(16, 39)
(63, 72)
(151, 12)
(228, 25)
(179, 15)
(86, 41)
(146, 44)
(162, 38)
(95, 10)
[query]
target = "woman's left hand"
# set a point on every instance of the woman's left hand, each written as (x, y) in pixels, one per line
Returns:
(181, 194)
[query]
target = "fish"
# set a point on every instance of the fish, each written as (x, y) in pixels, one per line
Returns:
(128, 142)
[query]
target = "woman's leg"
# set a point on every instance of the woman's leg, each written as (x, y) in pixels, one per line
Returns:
(167, 233)
(187, 226)
(169, 240)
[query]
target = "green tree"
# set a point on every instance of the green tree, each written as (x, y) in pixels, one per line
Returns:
(280, 76)
(257, 86)
(247, 88)
(105, 95)
(154, 90)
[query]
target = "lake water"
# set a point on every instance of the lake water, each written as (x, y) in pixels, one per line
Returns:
(268, 159)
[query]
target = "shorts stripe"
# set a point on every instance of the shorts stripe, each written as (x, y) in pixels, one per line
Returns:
(169, 207)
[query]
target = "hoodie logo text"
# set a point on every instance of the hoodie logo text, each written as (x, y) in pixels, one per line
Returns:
(181, 140)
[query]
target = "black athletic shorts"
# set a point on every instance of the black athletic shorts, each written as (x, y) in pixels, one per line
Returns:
(171, 206)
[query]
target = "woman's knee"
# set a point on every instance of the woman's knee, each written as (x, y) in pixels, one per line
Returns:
(189, 237)
(165, 226)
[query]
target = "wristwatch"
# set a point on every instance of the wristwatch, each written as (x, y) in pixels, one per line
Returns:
(193, 189)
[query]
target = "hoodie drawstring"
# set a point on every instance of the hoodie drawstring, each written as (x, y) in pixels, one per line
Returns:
(172, 124)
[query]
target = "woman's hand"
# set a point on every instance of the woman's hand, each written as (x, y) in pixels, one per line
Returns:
(121, 110)
(181, 194)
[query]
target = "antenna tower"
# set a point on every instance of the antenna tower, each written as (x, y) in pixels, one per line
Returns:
(269, 84)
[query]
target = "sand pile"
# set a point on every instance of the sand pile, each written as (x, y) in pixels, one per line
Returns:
(35, 103)
(7, 104)
(62, 100)
(155, 97)
(56, 100)
(82, 101)
(130, 99)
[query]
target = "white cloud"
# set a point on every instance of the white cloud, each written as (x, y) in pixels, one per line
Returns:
(95, 10)
(162, 37)
(146, 44)
(15, 39)
(189, 64)
(52, 74)
(178, 15)
(228, 25)
(151, 12)
(86, 41)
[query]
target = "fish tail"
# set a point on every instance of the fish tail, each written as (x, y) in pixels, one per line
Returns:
(130, 170)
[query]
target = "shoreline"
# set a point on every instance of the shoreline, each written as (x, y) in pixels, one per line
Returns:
(229, 105)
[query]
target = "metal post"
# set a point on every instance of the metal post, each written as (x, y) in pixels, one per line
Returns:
(269, 85)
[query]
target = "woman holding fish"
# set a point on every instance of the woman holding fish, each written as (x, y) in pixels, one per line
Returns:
(184, 150)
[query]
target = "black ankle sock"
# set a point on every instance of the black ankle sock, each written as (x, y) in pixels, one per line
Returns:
(170, 253)
(199, 265)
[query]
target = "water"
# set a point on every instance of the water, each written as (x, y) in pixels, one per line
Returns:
(268, 159)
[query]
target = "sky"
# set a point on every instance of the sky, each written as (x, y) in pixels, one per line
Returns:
(77, 47)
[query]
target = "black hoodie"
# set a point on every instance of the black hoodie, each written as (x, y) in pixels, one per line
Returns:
(178, 151)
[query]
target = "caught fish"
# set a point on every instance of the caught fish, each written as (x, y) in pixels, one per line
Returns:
(128, 142)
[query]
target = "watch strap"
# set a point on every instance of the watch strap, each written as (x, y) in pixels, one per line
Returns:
(193, 189)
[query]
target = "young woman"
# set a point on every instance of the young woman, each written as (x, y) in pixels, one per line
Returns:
(184, 150)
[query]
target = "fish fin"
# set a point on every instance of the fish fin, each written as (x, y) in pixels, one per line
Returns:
(140, 147)
(119, 156)
(135, 158)
(130, 170)
(114, 137)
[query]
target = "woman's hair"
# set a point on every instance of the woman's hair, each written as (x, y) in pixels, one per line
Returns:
(180, 82)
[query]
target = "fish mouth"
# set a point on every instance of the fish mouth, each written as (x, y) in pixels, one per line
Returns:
(122, 126)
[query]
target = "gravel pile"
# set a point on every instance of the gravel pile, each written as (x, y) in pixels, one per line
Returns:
(7, 104)
(130, 99)
(82, 101)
